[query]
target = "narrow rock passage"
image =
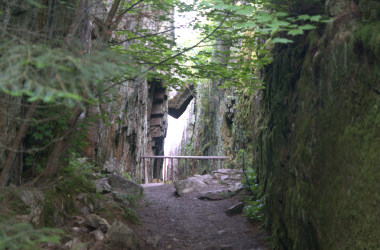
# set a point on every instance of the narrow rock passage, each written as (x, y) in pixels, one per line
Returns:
(185, 222)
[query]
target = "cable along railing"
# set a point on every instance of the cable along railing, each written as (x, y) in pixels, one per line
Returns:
(209, 160)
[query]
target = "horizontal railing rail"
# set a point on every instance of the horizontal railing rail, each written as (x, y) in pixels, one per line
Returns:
(166, 175)
(188, 157)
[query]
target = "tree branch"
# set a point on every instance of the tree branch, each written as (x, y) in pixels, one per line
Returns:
(118, 18)
(140, 37)
(171, 57)
(4, 177)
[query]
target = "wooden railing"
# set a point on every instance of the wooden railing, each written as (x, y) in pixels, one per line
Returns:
(210, 164)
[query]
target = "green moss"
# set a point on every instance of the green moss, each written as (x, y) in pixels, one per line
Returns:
(61, 197)
(318, 141)
(368, 37)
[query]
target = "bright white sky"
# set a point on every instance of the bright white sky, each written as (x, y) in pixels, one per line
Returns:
(184, 36)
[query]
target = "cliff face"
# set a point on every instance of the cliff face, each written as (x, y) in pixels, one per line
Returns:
(313, 132)
(134, 120)
(136, 126)
(317, 131)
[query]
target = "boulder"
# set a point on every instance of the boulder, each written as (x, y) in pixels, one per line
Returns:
(153, 240)
(223, 171)
(120, 196)
(189, 185)
(75, 244)
(32, 198)
(207, 179)
(102, 186)
(230, 174)
(224, 177)
(236, 209)
(236, 188)
(96, 222)
(119, 233)
(215, 195)
(98, 235)
(118, 182)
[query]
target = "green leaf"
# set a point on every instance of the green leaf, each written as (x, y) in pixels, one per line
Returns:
(315, 18)
(281, 40)
(307, 27)
(281, 14)
(295, 32)
(245, 10)
(303, 17)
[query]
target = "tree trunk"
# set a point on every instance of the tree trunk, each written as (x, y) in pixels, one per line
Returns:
(4, 178)
(52, 164)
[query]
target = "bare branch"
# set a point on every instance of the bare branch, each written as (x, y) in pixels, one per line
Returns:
(171, 57)
(118, 18)
(144, 36)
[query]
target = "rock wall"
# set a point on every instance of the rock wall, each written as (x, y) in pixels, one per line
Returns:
(317, 134)
(136, 126)
(313, 132)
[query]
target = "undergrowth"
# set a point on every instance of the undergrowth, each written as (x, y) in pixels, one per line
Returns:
(15, 235)
(74, 179)
(255, 201)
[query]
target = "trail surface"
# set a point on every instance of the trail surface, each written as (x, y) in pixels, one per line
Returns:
(172, 222)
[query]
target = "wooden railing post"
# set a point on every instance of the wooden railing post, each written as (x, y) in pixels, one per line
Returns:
(172, 166)
(187, 167)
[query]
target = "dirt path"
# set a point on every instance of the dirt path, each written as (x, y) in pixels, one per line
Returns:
(172, 222)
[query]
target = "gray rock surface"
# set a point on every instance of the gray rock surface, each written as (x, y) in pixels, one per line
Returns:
(215, 195)
(189, 185)
(236, 209)
(76, 244)
(98, 235)
(153, 240)
(34, 200)
(102, 186)
(96, 222)
(178, 102)
(118, 182)
(236, 187)
(119, 233)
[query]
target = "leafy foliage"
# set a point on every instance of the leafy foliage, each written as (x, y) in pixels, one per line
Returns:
(54, 74)
(235, 52)
(25, 236)
(255, 203)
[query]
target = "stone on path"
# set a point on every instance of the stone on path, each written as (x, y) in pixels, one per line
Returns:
(118, 182)
(221, 193)
(230, 174)
(189, 185)
(215, 195)
(119, 233)
(236, 209)
(153, 240)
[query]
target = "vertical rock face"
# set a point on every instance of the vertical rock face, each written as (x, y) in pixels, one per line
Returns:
(135, 121)
(313, 130)
(136, 127)
(317, 131)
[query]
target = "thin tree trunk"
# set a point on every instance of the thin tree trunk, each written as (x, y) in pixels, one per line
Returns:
(52, 164)
(4, 178)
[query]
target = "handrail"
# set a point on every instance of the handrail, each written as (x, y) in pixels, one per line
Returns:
(220, 159)
(187, 157)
